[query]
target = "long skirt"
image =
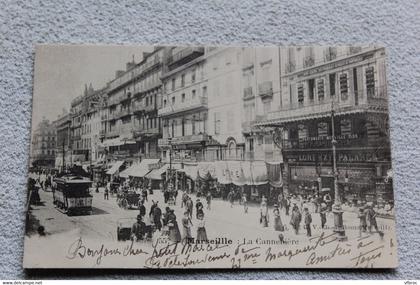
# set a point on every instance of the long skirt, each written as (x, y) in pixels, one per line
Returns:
(278, 225)
(201, 234)
(186, 232)
(174, 234)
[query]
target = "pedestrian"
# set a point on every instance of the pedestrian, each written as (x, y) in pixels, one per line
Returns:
(287, 205)
(245, 203)
(175, 194)
(328, 201)
(189, 204)
(157, 216)
(199, 208)
(174, 234)
(280, 201)
(362, 221)
(208, 200)
(295, 219)
(371, 219)
(231, 198)
(144, 194)
(165, 196)
(142, 209)
(264, 213)
(184, 199)
(278, 225)
(186, 228)
(323, 214)
(201, 229)
(138, 229)
(106, 193)
(308, 221)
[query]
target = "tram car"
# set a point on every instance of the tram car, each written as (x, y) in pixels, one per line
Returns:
(71, 194)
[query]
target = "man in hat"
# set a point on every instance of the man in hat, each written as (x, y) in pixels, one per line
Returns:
(308, 221)
(199, 208)
(287, 204)
(138, 229)
(190, 205)
(142, 209)
(157, 215)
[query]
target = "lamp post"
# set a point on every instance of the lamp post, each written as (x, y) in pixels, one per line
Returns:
(337, 210)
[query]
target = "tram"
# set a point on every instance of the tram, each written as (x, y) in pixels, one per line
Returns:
(71, 194)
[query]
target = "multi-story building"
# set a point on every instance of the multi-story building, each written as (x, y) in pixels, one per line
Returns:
(260, 95)
(132, 126)
(340, 89)
(86, 125)
(63, 151)
(43, 145)
(184, 111)
(147, 99)
(223, 71)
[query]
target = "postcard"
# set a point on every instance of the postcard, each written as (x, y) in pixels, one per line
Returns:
(210, 157)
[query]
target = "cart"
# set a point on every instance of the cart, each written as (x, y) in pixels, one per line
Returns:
(124, 226)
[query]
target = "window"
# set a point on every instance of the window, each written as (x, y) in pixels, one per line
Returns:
(164, 103)
(311, 86)
(332, 84)
(320, 87)
(183, 97)
(302, 131)
(182, 80)
(193, 124)
(217, 123)
(322, 129)
(345, 127)
(147, 101)
(173, 100)
(251, 144)
(343, 86)
(204, 91)
(193, 76)
(173, 84)
(193, 95)
(370, 81)
(300, 94)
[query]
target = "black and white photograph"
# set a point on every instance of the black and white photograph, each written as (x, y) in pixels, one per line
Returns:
(189, 157)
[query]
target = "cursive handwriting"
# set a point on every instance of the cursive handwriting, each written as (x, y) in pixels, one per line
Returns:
(78, 249)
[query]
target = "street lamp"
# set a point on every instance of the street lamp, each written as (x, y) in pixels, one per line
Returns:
(337, 210)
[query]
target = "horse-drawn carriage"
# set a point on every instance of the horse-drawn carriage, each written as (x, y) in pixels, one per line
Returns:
(127, 199)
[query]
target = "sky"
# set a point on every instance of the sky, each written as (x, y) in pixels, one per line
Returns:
(61, 72)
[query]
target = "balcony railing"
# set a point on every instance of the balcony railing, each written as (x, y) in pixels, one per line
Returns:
(102, 133)
(123, 113)
(185, 54)
(265, 89)
(197, 103)
(113, 133)
(125, 97)
(248, 94)
(167, 142)
(140, 131)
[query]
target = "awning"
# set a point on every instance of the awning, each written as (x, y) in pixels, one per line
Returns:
(117, 142)
(274, 174)
(115, 167)
(142, 168)
(124, 173)
(241, 172)
(156, 174)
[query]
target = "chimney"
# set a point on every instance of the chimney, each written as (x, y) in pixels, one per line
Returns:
(131, 64)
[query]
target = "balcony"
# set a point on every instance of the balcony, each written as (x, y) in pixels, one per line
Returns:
(76, 137)
(265, 89)
(185, 55)
(125, 97)
(112, 133)
(197, 103)
(140, 131)
(190, 139)
(123, 113)
(113, 116)
(104, 117)
(102, 133)
(248, 94)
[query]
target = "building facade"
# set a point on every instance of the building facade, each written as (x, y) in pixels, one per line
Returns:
(184, 111)
(63, 153)
(43, 145)
(340, 91)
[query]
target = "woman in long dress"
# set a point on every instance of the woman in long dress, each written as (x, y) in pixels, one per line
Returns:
(278, 225)
(201, 228)
(264, 213)
(174, 234)
(186, 227)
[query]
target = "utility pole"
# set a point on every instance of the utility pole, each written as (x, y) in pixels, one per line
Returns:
(337, 210)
